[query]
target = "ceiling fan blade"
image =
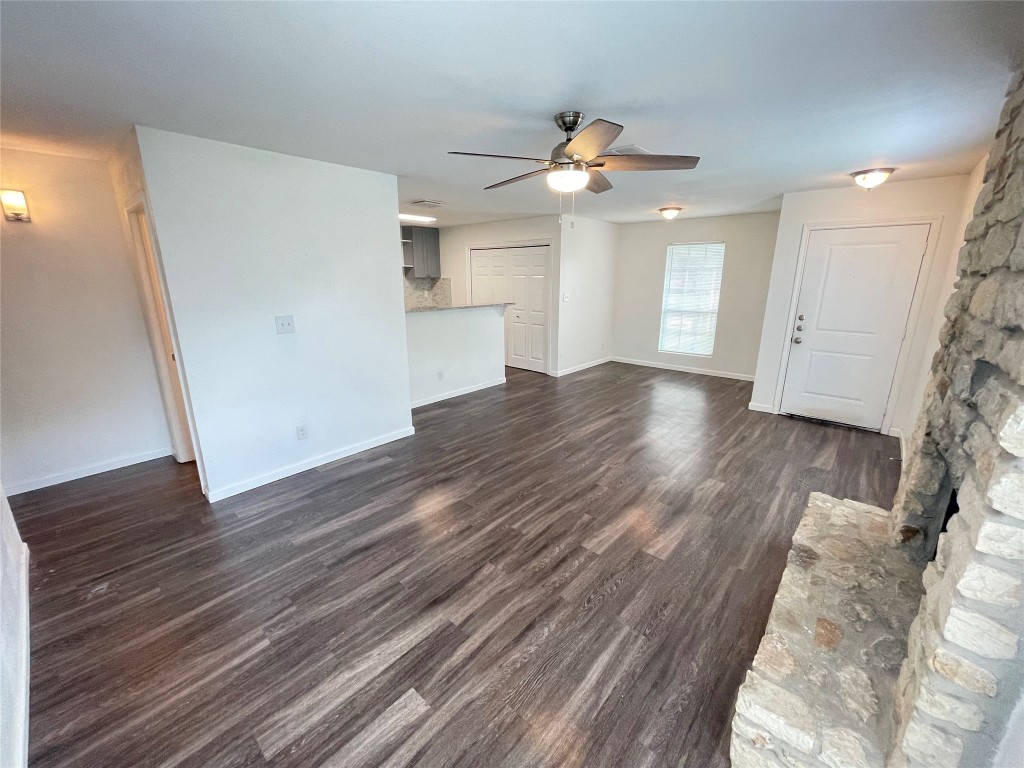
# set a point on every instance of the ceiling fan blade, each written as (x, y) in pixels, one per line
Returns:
(598, 182)
(644, 162)
(593, 140)
(503, 157)
(514, 179)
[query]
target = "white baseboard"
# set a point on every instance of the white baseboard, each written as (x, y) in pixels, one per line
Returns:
(898, 434)
(217, 494)
(760, 407)
(684, 369)
(79, 472)
(582, 367)
(457, 392)
(14, 750)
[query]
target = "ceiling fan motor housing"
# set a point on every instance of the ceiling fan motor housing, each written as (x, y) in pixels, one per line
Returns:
(558, 153)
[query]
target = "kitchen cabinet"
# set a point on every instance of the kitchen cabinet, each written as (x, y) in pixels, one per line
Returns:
(421, 251)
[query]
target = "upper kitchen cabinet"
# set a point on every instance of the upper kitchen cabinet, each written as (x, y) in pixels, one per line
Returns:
(421, 251)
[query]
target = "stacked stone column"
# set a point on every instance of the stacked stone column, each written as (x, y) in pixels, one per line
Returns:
(965, 664)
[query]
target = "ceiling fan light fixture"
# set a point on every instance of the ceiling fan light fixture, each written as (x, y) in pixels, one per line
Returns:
(670, 212)
(872, 177)
(568, 179)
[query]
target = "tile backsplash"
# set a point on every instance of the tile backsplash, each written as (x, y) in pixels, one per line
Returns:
(421, 292)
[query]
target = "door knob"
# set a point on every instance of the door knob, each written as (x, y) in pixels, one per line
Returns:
(799, 317)
(797, 340)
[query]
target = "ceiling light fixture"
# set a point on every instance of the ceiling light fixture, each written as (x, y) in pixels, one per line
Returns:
(14, 205)
(872, 177)
(568, 179)
(414, 217)
(670, 213)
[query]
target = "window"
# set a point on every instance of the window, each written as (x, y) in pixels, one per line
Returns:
(689, 308)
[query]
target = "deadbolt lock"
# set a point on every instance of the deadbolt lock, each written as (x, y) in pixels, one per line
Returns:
(797, 340)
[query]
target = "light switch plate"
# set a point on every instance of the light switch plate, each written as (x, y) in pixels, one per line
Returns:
(285, 323)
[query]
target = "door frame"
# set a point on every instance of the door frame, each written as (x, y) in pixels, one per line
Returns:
(160, 326)
(553, 285)
(913, 316)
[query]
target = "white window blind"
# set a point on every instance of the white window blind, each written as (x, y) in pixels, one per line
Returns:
(689, 308)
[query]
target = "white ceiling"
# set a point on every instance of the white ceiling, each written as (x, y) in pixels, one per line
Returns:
(775, 97)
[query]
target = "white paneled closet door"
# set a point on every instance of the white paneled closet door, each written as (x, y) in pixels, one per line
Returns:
(518, 275)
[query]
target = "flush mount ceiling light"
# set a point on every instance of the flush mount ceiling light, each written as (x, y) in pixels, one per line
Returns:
(568, 178)
(414, 217)
(669, 213)
(14, 205)
(872, 177)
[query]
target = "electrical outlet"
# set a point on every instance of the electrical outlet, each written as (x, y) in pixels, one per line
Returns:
(565, 297)
(285, 323)
(440, 375)
(300, 432)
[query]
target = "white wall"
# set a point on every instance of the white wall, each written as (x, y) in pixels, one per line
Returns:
(78, 383)
(14, 640)
(894, 202)
(456, 242)
(245, 235)
(587, 275)
(640, 280)
(455, 351)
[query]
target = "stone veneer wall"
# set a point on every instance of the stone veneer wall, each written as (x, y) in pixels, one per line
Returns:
(964, 670)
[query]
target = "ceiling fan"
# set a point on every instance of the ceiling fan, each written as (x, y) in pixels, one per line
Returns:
(577, 162)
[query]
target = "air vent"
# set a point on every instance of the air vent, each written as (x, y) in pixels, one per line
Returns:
(427, 203)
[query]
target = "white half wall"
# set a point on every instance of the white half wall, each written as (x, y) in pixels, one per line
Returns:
(246, 235)
(940, 200)
(455, 351)
(78, 383)
(585, 292)
(640, 280)
(14, 641)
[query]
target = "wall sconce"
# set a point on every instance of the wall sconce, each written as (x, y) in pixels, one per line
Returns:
(14, 204)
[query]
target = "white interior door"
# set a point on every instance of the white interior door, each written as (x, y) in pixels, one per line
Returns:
(527, 318)
(520, 276)
(168, 375)
(851, 317)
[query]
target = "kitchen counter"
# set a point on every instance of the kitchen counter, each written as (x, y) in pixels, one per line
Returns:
(462, 306)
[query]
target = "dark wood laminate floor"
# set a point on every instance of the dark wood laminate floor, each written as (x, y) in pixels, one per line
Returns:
(556, 572)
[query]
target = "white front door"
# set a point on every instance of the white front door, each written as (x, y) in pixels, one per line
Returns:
(518, 275)
(850, 320)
